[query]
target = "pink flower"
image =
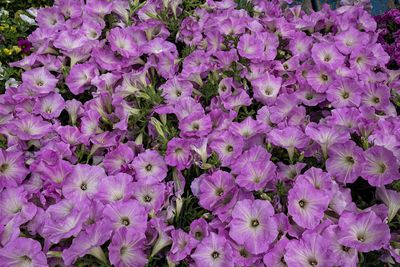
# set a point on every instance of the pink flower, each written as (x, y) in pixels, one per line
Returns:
(213, 251)
(307, 205)
(12, 168)
(252, 225)
(23, 252)
(149, 167)
(83, 183)
(126, 248)
(363, 231)
(380, 166)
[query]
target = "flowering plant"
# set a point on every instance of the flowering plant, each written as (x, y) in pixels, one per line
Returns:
(192, 133)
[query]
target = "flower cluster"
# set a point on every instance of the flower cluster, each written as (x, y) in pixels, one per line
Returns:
(389, 34)
(225, 133)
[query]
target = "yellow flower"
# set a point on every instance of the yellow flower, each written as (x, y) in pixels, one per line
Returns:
(1, 28)
(13, 29)
(16, 49)
(7, 51)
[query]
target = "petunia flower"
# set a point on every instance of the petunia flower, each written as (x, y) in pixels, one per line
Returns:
(150, 196)
(344, 92)
(23, 252)
(88, 242)
(149, 167)
(126, 248)
(176, 88)
(182, 245)
(129, 214)
(195, 125)
(80, 76)
(216, 190)
(83, 183)
(64, 219)
(29, 127)
(228, 147)
(118, 160)
(122, 41)
(311, 250)
(256, 175)
(266, 88)
(178, 153)
(350, 40)
(391, 199)
(364, 231)
(14, 206)
(213, 251)
(39, 80)
(275, 255)
(290, 138)
(12, 168)
(345, 162)
(327, 55)
(115, 188)
(320, 79)
(252, 225)
(326, 136)
(199, 229)
(345, 256)
(307, 205)
(380, 166)
(50, 106)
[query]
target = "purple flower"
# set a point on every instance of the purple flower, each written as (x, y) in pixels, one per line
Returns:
(15, 208)
(380, 166)
(126, 248)
(290, 138)
(345, 162)
(344, 92)
(199, 229)
(214, 251)
(118, 159)
(122, 41)
(29, 127)
(252, 225)
(80, 76)
(87, 242)
(327, 55)
(266, 88)
(178, 153)
(216, 190)
(195, 125)
(39, 80)
(256, 175)
(364, 231)
(326, 136)
(307, 205)
(64, 219)
(12, 168)
(275, 255)
(391, 199)
(182, 245)
(25, 45)
(129, 214)
(83, 182)
(50, 106)
(115, 188)
(23, 252)
(150, 196)
(311, 250)
(149, 167)
(228, 147)
(350, 40)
